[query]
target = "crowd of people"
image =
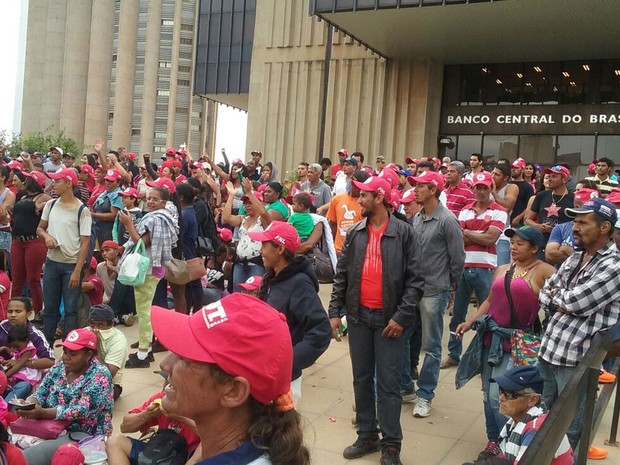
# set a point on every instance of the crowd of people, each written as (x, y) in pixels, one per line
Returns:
(402, 245)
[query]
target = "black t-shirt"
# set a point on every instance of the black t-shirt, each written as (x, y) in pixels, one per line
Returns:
(525, 192)
(551, 207)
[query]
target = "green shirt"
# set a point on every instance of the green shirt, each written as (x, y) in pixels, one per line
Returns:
(278, 206)
(303, 224)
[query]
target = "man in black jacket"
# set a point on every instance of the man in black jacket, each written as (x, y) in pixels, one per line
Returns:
(377, 311)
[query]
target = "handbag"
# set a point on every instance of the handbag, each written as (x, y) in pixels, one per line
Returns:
(132, 270)
(322, 266)
(524, 343)
(41, 428)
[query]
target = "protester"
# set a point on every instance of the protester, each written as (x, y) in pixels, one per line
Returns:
(320, 191)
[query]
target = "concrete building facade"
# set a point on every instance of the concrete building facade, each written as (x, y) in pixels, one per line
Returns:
(116, 70)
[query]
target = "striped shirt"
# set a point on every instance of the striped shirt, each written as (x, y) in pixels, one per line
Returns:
(495, 216)
(459, 196)
(578, 309)
(605, 186)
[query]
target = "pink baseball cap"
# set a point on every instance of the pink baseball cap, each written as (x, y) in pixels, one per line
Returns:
(344, 152)
(558, 169)
(252, 283)
(68, 454)
(280, 233)
(93, 263)
(37, 176)
(395, 199)
(613, 196)
(171, 152)
(586, 194)
(79, 339)
(519, 163)
(226, 234)
(241, 334)
(428, 177)
(68, 174)
(130, 155)
(376, 184)
(130, 192)
(87, 169)
(257, 194)
(15, 165)
(166, 183)
(390, 175)
(483, 178)
(408, 196)
(410, 160)
(112, 175)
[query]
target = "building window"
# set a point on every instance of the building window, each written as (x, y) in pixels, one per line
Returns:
(181, 111)
(187, 41)
(183, 82)
(187, 27)
(165, 64)
(114, 58)
(161, 135)
(159, 107)
(196, 114)
(167, 22)
(163, 93)
(185, 69)
(186, 55)
(195, 127)
(158, 149)
(111, 115)
(135, 132)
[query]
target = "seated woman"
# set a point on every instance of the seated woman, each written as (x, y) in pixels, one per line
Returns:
(78, 389)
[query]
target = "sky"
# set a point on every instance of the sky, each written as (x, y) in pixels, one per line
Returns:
(232, 124)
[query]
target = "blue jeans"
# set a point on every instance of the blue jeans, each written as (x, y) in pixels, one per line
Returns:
(503, 252)
(371, 352)
(432, 309)
(494, 420)
(56, 287)
(478, 281)
(242, 272)
(20, 390)
(406, 381)
(556, 378)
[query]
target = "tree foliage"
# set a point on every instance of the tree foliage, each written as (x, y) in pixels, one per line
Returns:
(39, 142)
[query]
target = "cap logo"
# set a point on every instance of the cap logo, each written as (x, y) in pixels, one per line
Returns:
(73, 336)
(605, 210)
(480, 177)
(250, 280)
(214, 314)
(280, 239)
(368, 181)
(110, 173)
(381, 190)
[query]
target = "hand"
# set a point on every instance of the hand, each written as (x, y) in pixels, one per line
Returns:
(146, 157)
(336, 324)
(462, 329)
(207, 159)
(9, 364)
(153, 410)
(74, 279)
(112, 160)
(230, 188)
(50, 242)
(98, 145)
(36, 412)
(124, 217)
(26, 156)
(392, 330)
(247, 185)
(545, 227)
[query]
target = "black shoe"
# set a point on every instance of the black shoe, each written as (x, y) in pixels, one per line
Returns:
(157, 347)
(149, 358)
(137, 363)
(361, 447)
(390, 456)
(134, 345)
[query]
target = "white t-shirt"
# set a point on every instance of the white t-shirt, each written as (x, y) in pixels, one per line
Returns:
(62, 225)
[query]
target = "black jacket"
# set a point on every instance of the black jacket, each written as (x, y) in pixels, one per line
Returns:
(294, 292)
(402, 282)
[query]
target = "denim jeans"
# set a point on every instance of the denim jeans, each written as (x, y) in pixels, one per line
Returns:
(371, 351)
(56, 287)
(122, 300)
(494, 420)
(477, 280)
(432, 309)
(556, 378)
(20, 390)
(242, 272)
(406, 381)
(503, 252)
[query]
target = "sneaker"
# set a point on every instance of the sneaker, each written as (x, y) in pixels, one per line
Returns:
(150, 357)
(361, 447)
(422, 408)
(448, 362)
(491, 450)
(408, 397)
(606, 378)
(390, 456)
(597, 453)
(137, 363)
(128, 320)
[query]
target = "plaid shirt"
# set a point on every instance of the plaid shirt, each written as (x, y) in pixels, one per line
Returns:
(588, 304)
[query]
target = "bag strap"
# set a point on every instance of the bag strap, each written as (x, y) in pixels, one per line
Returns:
(514, 320)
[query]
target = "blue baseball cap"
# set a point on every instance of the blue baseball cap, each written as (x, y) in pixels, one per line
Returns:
(406, 173)
(602, 208)
(528, 233)
(520, 378)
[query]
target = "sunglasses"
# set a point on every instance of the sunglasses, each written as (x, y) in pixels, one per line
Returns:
(512, 395)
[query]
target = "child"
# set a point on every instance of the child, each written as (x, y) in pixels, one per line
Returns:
(92, 285)
(22, 350)
(301, 218)
(131, 200)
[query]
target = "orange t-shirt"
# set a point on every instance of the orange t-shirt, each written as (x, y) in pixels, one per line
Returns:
(345, 211)
(371, 290)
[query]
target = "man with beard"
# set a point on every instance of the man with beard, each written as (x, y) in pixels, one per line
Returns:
(475, 163)
(525, 192)
(377, 285)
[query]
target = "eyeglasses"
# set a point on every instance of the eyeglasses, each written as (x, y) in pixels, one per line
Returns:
(512, 395)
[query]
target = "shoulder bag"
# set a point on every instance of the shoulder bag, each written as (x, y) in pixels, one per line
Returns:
(183, 271)
(132, 270)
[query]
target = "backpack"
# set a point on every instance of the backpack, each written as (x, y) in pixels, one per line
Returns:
(93, 235)
(165, 447)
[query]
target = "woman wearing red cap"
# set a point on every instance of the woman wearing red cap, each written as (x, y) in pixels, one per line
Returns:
(107, 206)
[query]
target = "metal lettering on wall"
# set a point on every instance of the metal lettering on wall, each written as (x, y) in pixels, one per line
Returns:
(540, 119)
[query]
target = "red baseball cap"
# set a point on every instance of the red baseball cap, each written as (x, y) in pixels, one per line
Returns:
(166, 183)
(280, 233)
(68, 454)
(344, 152)
(252, 283)
(483, 178)
(410, 160)
(583, 195)
(171, 152)
(257, 194)
(226, 234)
(93, 263)
(79, 339)
(613, 196)
(390, 175)
(130, 155)
(110, 245)
(68, 174)
(376, 184)
(15, 165)
(112, 175)
(170, 164)
(436, 160)
(87, 169)
(241, 334)
(4, 382)
(519, 163)
(130, 192)
(408, 196)
(37, 176)
(558, 169)
(395, 199)
(428, 177)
